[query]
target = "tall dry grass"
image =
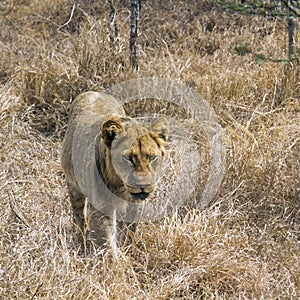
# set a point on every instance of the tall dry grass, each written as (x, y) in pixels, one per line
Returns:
(245, 245)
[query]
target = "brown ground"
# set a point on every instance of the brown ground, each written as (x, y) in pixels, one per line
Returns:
(244, 246)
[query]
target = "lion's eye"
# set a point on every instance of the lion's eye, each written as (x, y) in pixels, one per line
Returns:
(152, 158)
(127, 158)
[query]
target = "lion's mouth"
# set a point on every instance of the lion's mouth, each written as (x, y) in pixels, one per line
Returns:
(139, 196)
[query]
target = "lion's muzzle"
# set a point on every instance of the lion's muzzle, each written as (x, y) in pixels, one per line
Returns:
(140, 192)
(139, 196)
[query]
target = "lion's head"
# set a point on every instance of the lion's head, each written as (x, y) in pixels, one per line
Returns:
(134, 155)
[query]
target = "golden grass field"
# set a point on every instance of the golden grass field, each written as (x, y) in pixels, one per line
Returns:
(244, 245)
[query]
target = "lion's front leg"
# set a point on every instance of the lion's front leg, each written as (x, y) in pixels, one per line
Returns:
(103, 229)
(110, 225)
(77, 200)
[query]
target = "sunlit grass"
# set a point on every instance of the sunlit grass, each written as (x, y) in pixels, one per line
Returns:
(245, 245)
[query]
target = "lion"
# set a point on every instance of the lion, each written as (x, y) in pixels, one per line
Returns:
(129, 156)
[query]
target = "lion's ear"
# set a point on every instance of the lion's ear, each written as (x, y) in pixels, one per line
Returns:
(161, 127)
(111, 126)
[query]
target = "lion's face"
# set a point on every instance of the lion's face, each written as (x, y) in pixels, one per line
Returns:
(136, 153)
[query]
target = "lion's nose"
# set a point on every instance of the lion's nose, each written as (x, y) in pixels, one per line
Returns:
(143, 185)
(142, 181)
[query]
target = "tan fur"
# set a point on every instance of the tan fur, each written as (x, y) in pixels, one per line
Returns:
(129, 157)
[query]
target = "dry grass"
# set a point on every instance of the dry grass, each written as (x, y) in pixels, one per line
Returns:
(244, 246)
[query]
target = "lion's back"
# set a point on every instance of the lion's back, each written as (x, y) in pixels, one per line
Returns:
(86, 108)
